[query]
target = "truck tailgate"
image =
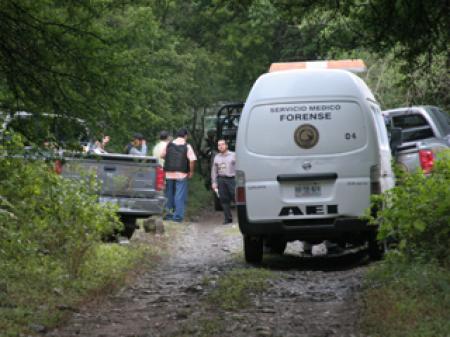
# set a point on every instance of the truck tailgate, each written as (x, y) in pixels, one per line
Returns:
(119, 175)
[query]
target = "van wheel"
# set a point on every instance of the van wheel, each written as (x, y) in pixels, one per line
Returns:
(276, 245)
(129, 225)
(253, 249)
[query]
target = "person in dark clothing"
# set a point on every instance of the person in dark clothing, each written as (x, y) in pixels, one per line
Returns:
(222, 177)
(179, 164)
(137, 146)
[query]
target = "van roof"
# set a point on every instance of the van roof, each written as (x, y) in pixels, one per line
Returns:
(309, 84)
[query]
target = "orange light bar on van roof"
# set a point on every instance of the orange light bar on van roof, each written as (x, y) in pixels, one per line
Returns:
(355, 66)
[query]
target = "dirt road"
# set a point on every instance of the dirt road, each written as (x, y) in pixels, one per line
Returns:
(306, 297)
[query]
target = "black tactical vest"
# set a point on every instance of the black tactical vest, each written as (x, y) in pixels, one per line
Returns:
(176, 159)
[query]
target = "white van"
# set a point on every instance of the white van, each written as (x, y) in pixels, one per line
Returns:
(311, 148)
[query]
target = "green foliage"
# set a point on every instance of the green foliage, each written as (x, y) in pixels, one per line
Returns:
(151, 65)
(378, 25)
(238, 37)
(107, 62)
(45, 296)
(395, 83)
(198, 197)
(417, 213)
(234, 289)
(411, 60)
(404, 298)
(108, 265)
(51, 255)
(48, 227)
(49, 215)
(208, 327)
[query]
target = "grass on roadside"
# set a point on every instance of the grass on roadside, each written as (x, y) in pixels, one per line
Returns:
(410, 299)
(198, 197)
(234, 289)
(44, 295)
(205, 327)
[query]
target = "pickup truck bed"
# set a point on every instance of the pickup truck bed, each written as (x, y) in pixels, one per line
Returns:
(133, 183)
(425, 131)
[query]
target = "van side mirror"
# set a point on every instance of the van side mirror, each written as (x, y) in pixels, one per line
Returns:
(396, 139)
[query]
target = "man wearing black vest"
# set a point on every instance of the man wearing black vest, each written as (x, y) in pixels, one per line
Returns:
(179, 166)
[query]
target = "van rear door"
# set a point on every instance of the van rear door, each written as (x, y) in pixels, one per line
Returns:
(307, 159)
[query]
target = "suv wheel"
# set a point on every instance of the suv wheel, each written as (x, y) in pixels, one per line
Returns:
(129, 225)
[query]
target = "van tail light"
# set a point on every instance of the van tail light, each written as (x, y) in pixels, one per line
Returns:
(159, 178)
(240, 188)
(426, 158)
(58, 167)
(240, 195)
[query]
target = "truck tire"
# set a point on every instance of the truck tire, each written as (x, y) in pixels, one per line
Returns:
(253, 249)
(129, 225)
(375, 249)
(276, 245)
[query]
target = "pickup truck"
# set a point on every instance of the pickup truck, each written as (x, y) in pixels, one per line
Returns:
(425, 130)
(134, 183)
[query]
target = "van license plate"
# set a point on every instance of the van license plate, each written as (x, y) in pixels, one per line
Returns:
(308, 190)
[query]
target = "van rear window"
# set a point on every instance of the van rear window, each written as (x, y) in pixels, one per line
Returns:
(306, 128)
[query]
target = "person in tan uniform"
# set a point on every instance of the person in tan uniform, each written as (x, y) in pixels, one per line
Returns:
(222, 178)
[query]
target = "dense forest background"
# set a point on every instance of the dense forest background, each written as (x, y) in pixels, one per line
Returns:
(147, 65)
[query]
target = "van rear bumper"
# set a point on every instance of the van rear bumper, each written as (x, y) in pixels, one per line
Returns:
(337, 228)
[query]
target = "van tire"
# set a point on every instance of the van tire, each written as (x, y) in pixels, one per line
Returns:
(253, 249)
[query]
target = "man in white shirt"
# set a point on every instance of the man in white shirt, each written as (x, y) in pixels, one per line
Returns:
(158, 148)
(138, 146)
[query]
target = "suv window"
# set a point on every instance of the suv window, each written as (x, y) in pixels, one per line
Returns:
(414, 127)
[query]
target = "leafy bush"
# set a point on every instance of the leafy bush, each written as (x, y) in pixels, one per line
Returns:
(43, 214)
(50, 241)
(417, 213)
